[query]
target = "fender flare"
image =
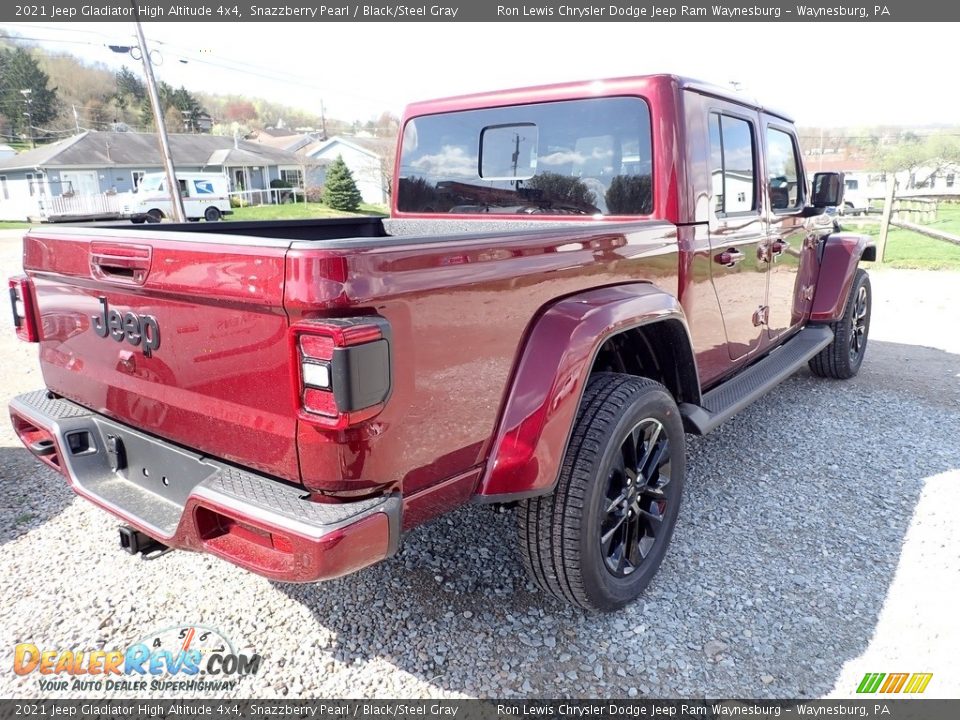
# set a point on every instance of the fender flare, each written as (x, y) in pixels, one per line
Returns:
(842, 252)
(548, 383)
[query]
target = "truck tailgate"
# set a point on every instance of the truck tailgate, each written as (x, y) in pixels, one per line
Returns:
(176, 335)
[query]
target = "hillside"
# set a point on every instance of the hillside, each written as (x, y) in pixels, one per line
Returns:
(92, 96)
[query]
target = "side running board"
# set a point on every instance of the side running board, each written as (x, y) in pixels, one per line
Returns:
(727, 399)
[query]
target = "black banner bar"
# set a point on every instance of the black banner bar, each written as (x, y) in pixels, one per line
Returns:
(873, 708)
(483, 11)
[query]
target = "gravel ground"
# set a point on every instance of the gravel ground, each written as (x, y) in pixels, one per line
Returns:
(818, 541)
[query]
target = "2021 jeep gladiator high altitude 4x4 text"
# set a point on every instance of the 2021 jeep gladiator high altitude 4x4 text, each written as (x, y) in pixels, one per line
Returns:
(572, 278)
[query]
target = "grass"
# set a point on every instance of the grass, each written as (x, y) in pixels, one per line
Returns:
(300, 211)
(948, 218)
(12, 225)
(906, 249)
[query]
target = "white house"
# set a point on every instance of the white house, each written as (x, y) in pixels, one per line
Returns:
(365, 156)
(101, 164)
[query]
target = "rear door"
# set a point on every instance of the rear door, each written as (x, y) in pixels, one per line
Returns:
(181, 335)
(737, 225)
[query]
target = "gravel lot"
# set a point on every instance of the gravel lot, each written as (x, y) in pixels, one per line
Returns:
(818, 541)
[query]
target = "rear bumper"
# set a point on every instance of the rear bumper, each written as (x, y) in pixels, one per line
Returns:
(189, 501)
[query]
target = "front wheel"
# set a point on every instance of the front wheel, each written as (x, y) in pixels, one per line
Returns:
(154, 216)
(842, 358)
(600, 537)
(211, 214)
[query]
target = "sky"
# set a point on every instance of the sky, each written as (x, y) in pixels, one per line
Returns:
(829, 74)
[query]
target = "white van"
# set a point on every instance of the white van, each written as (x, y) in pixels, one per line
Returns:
(204, 196)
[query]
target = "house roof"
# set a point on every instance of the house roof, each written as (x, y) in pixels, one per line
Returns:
(372, 146)
(291, 142)
(837, 163)
(108, 149)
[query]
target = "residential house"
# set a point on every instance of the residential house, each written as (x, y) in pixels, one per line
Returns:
(862, 175)
(98, 164)
(367, 158)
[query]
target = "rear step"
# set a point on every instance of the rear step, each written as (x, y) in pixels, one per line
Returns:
(729, 398)
(172, 497)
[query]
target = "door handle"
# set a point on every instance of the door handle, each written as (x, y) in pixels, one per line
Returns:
(729, 258)
(778, 247)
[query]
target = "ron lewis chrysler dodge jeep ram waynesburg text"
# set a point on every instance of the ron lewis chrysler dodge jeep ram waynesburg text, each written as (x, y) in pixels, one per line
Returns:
(571, 279)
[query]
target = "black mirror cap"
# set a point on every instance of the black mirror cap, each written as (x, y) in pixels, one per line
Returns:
(827, 190)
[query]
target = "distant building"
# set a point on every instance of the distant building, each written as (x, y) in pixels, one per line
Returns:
(95, 163)
(365, 156)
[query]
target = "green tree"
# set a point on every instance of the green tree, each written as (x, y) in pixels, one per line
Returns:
(25, 100)
(630, 195)
(564, 190)
(340, 191)
(922, 157)
(129, 86)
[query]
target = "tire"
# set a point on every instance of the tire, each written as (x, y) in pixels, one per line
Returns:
(842, 358)
(211, 214)
(139, 220)
(562, 534)
(154, 216)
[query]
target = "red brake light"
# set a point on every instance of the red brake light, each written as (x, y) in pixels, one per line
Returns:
(24, 313)
(343, 370)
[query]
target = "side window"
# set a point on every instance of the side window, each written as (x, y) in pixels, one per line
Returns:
(732, 163)
(183, 187)
(783, 179)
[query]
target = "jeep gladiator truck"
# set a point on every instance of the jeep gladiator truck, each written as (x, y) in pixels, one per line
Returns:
(571, 279)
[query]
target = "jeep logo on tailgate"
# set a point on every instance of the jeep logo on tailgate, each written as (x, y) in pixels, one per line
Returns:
(135, 329)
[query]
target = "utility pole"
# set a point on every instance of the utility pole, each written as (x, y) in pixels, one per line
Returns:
(323, 119)
(76, 119)
(29, 115)
(176, 202)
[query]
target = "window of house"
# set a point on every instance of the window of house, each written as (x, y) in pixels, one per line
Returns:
(732, 163)
(136, 176)
(950, 178)
(35, 184)
(4, 190)
(783, 178)
(293, 176)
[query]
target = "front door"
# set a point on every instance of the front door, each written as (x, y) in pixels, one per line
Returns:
(737, 227)
(791, 246)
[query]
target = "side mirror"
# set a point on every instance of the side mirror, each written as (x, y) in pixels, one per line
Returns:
(827, 190)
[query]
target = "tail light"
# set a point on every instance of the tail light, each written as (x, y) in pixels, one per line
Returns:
(343, 368)
(24, 313)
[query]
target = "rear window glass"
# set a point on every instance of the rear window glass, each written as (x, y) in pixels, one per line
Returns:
(578, 157)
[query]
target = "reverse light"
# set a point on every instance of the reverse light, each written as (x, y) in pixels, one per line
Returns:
(24, 314)
(316, 375)
(344, 374)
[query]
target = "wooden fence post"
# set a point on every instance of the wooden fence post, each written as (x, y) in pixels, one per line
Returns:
(885, 218)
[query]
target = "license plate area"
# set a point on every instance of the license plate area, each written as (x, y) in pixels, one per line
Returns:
(147, 463)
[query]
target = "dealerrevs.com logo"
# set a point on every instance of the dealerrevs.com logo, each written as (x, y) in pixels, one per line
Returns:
(180, 658)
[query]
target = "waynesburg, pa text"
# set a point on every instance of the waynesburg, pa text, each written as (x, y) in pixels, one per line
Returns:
(659, 12)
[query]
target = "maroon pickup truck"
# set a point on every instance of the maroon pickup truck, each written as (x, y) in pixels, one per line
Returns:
(571, 279)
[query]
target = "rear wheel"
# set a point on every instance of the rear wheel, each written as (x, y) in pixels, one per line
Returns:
(842, 358)
(211, 214)
(154, 216)
(600, 537)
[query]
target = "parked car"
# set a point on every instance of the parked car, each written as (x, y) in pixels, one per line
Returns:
(205, 195)
(294, 396)
(855, 201)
